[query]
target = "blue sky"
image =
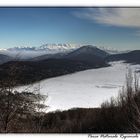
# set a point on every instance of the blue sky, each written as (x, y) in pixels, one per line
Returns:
(117, 28)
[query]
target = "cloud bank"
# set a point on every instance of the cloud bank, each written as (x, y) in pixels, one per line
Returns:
(122, 17)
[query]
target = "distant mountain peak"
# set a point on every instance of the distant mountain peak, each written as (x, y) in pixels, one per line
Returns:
(60, 47)
(29, 52)
(49, 47)
(91, 50)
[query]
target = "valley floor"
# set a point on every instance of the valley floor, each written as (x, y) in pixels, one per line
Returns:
(85, 89)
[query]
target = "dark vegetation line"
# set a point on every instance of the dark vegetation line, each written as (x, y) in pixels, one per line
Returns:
(29, 72)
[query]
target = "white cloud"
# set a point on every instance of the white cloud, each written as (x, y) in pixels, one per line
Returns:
(122, 17)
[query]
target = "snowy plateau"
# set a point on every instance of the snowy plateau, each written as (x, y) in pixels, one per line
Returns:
(85, 89)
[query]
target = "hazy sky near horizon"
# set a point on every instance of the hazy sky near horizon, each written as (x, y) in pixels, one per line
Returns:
(117, 28)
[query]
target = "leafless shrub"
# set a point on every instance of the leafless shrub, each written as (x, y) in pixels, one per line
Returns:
(127, 105)
(15, 105)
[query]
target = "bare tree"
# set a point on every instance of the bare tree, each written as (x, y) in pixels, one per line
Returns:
(14, 104)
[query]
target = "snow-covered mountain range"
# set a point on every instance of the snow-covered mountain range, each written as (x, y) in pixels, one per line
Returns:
(49, 48)
(55, 48)
(27, 52)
